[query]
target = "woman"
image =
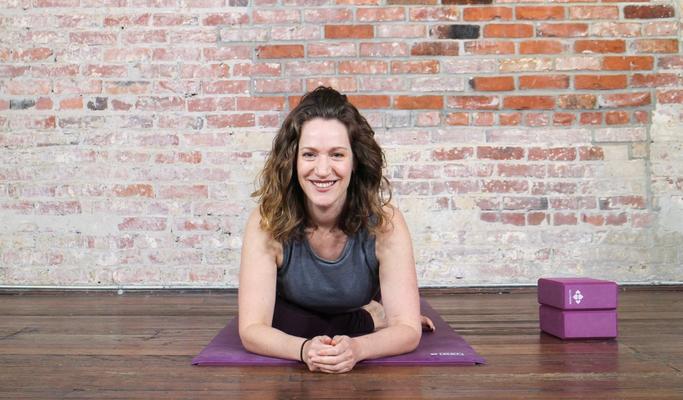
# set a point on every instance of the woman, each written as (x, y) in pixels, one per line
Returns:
(323, 243)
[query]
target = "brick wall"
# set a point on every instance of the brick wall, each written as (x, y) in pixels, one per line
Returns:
(524, 138)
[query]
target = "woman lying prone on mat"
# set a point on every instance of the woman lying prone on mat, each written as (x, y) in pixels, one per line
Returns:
(322, 245)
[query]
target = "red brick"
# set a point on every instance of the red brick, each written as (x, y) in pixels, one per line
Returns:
(143, 224)
(616, 117)
(648, 12)
(226, 87)
(509, 119)
(74, 103)
(418, 102)
(369, 101)
(226, 18)
(544, 82)
(525, 170)
(504, 186)
(563, 30)
(670, 97)
(529, 102)
(260, 103)
(541, 47)
(415, 67)
(133, 190)
(656, 46)
(375, 14)
(363, 67)
(591, 118)
(616, 219)
(281, 51)
(384, 49)
(671, 62)
(500, 153)
(230, 121)
(342, 84)
(593, 12)
(641, 117)
(508, 30)
(600, 82)
(626, 99)
(591, 153)
(184, 192)
(443, 13)
(483, 119)
(536, 218)
(487, 13)
(495, 83)
(517, 219)
(593, 219)
(275, 16)
(434, 49)
(552, 154)
(93, 38)
(600, 46)
(539, 12)
(328, 15)
(458, 119)
(577, 101)
(563, 119)
(32, 54)
(564, 219)
(349, 32)
(536, 119)
(627, 63)
(655, 80)
(474, 102)
(489, 47)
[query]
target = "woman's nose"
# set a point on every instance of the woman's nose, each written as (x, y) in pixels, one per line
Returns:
(322, 166)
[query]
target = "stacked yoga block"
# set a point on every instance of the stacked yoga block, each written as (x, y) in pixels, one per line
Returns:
(578, 308)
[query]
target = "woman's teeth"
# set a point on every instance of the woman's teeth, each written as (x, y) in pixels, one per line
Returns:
(323, 184)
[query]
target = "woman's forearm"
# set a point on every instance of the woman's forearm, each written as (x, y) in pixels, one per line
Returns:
(268, 341)
(390, 341)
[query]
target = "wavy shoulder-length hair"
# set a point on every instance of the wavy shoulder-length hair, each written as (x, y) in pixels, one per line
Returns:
(280, 197)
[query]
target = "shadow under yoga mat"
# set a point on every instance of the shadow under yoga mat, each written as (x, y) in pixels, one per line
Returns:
(443, 347)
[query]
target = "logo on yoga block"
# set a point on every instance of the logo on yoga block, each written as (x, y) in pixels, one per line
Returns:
(577, 296)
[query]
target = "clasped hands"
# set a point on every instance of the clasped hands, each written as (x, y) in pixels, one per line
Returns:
(331, 355)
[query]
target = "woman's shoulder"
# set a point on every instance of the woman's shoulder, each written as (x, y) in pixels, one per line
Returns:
(393, 221)
(256, 232)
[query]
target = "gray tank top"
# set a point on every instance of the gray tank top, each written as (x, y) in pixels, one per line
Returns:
(325, 286)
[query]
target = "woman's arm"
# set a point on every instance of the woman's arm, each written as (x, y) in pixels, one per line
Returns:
(400, 298)
(256, 299)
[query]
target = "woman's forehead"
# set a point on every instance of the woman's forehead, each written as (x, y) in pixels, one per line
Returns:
(324, 132)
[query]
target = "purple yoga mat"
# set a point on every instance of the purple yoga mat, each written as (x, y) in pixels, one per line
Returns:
(443, 347)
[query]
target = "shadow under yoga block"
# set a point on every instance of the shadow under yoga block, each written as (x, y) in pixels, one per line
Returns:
(581, 324)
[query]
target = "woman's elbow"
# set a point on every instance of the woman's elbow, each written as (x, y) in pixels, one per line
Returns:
(414, 338)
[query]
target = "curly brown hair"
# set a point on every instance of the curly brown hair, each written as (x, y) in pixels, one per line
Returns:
(281, 199)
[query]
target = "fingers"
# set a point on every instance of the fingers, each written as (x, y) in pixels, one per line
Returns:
(427, 324)
(338, 359)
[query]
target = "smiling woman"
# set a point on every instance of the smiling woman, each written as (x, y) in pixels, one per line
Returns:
(324, 243)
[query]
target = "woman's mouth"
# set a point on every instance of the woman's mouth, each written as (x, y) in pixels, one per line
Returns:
(323, 184)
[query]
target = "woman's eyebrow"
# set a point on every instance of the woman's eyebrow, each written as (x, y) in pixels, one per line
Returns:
(331, 149)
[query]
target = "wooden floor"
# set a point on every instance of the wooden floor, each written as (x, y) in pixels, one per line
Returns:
(139, 346)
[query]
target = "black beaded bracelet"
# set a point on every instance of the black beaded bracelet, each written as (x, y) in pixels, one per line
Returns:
(301, 352)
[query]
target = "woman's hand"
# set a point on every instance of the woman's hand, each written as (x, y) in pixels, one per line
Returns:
(335, 356)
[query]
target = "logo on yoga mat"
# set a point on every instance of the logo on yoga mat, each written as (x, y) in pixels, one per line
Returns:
(577, 297)
(452, 354)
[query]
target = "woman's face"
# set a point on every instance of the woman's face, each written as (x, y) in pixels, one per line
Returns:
(324, 164)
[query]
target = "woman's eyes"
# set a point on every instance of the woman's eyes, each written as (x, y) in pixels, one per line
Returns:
(309, 155)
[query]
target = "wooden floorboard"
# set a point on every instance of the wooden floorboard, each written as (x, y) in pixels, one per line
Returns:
(139, 346)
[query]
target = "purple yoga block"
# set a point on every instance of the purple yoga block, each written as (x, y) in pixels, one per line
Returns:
(577, 293)
(578, 324)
